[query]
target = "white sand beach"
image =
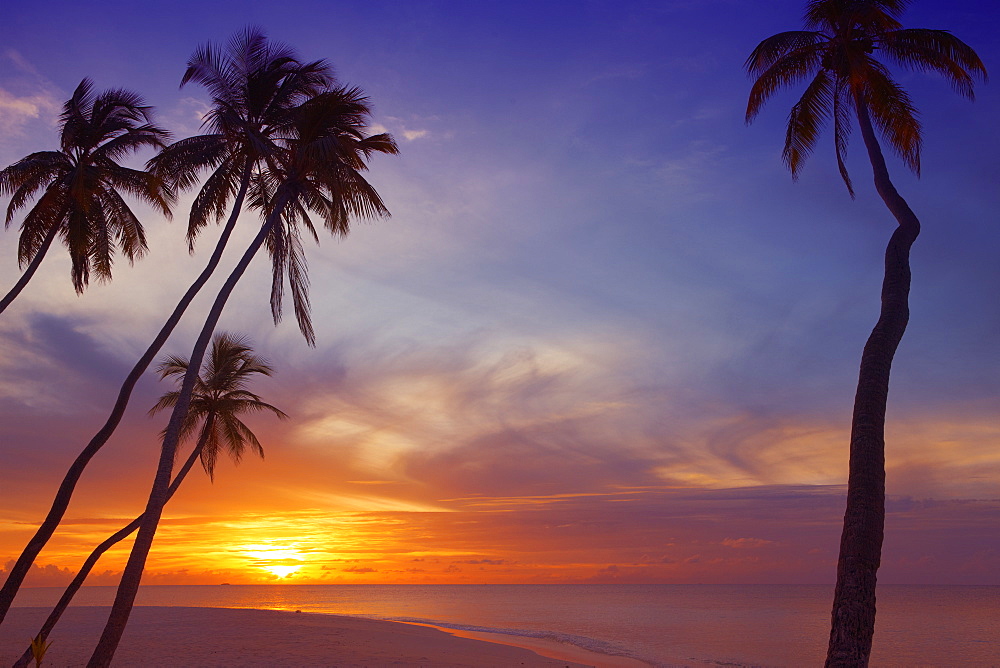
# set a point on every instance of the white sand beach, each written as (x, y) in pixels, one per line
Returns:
(203, 637)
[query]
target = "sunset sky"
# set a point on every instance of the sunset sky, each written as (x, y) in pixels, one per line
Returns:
(603, 337)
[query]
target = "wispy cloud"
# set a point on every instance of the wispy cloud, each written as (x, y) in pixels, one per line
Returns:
(17, 111)
(26, 95)
(411, 135)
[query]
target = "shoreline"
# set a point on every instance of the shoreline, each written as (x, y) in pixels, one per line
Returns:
(544, 646)
(204, 637)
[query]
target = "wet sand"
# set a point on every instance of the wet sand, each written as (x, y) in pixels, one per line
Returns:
(203, 637)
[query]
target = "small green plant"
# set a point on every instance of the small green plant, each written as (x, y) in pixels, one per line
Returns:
(38, 649)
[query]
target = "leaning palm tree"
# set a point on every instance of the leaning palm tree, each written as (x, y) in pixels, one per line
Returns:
(319, 172)
(77, 189)
(255, 85)
(219, 398)
(837, 56)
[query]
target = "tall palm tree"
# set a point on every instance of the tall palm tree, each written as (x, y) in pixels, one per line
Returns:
(219, 398)
(79, 187)
(255, 85)
(837, 56)
(319, 172)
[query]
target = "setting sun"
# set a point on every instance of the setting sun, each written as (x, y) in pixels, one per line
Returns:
(279, 561)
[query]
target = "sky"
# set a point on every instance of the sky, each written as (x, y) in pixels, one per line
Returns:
(604, 337)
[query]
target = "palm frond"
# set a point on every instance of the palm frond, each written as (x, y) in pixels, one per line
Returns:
(141, 185)
(129, 140)
(41, 171)
(212, 200)
(939, 51)
(123, 227)
(893, 114)
(791, 69)
(219, 397)
(172, 365)
(872, 15)
(842, 130)
(49, 212)
(180, 163)
(380, 143)
(806, 120)
(776, 48)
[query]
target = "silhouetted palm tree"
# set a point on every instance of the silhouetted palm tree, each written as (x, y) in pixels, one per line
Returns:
(317, 173)
(837, 55)
(219, 398)
(79, 187)
(255, 86)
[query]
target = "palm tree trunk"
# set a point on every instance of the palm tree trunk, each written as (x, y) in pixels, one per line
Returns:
(32, 267)
(65, 492)
(111, 541)
(853, 618)
(129, 585)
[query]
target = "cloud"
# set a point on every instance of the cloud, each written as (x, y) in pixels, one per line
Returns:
(399, 126)
(359, 569)
(411, 135)
(746, 542)
(18, 111)
(49, 575)
(25, 96)
(52, 357)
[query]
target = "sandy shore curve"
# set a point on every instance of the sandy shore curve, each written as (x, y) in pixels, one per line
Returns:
(210, 637)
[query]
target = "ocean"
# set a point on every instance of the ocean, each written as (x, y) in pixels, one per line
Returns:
(696, 625)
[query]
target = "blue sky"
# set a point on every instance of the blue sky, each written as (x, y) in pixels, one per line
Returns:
(596, 277)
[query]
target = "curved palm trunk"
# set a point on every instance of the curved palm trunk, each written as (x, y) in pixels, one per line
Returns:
(853, 618)
(65, 492)
(129, 585)
(111, 541)
(32, 267)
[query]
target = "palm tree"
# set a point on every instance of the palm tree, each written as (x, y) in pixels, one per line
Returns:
(255, 85)
(79, 187)
(219, 398)
(837, 55)
(318, 172)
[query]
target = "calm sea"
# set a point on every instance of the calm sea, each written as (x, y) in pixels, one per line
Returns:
(730, 625)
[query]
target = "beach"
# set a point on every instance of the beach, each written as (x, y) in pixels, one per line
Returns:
(204, 637)
(598, 625)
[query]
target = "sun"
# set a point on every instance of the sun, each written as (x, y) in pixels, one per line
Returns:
(280, 561)
(282, 571)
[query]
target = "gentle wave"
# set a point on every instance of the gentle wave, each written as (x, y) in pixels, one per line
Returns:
(583, 642)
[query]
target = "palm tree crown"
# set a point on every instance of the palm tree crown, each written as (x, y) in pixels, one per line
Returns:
(255, 86)
(79, 184)
(319, 172)
(837, 55)
(219, 397)
(267, 106)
